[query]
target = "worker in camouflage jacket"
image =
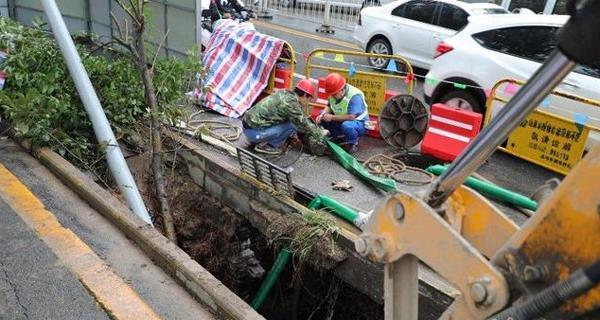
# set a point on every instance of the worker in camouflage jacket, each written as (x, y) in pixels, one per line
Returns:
(279, 116)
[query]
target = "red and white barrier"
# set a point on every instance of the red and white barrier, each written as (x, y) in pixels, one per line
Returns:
(283, 78)
(449, 132)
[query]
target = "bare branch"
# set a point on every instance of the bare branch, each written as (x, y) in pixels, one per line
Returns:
(136, 10)
(114, 19)
(126, 45)
(127, 10)
(141, 4)
(160, 45)
(126, 31)
(119, 39)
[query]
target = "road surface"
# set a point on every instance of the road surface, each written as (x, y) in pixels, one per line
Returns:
(59, 259)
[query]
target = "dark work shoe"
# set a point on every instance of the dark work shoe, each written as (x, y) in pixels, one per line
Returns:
(350, 148)
(339, 139)
(267, 149)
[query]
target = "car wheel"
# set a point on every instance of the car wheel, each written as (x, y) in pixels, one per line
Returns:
(463, 100)
(379, 46)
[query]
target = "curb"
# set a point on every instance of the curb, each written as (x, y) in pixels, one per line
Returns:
(198, 281)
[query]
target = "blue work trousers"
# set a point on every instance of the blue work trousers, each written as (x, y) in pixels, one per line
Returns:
(351, 129)
(274, 135)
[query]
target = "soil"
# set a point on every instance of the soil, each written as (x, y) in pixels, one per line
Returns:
(212, 234)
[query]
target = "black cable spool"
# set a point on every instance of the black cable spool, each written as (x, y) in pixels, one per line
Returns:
(403, 121)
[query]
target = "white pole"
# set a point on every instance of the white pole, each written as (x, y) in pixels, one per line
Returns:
(199, 28)
(104, 134)
(326, 26)
(327, 18)
(550, 4)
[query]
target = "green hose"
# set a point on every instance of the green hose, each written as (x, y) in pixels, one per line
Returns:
(350, 163)
(265, 288)
(492, 190)
(283, 258)
(341, 210)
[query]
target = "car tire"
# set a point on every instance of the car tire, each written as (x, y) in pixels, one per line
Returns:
(379, 45)
(463, 100)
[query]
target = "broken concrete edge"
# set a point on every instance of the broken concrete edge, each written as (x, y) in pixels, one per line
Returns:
(255, 201)
(207, 289)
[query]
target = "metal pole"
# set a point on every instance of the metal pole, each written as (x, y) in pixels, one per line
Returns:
(552, 72)
(549, 7)
(263, 12)
(199, 28)
(327, 17)
(401, 289)
(326, 26)
(104, 134)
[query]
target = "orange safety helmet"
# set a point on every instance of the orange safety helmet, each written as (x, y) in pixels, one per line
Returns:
(334, 82)
(306, 86)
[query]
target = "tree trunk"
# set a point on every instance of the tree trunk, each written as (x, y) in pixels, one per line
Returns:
(157, 156)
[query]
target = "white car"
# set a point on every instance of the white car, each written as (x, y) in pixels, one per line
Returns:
(413, 28)
(513, 46)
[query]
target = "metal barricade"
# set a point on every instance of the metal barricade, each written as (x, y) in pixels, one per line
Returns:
(287, 57)
(546, 138)
(277, 178)
(372, 84)
(342, 14)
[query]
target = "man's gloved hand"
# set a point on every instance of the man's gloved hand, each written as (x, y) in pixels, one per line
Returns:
(317, 147)
(319, 118)
(295, 140)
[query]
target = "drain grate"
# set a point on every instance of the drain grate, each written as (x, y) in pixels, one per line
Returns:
(266, 172)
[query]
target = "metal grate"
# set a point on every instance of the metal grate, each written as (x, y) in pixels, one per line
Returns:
(262, 170)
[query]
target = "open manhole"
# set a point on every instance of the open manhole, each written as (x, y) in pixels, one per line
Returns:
(417, 159)
(403, 121)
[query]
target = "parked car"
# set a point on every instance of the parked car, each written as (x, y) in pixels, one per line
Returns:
(413, 28)
(513, 46)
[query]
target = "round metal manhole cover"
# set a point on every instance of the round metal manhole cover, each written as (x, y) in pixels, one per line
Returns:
(403, 121)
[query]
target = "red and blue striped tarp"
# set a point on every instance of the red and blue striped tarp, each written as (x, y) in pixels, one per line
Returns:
(239, 61)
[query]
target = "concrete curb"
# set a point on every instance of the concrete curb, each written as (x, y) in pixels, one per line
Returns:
(198, 281)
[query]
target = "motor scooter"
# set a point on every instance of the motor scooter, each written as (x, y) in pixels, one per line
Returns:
(207, 24)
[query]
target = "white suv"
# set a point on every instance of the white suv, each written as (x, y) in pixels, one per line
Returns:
(413, 28)
(513, 46)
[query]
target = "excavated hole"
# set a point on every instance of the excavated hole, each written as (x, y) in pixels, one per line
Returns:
(213, 234)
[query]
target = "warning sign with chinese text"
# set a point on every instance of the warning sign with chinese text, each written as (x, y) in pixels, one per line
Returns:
(548, 141)
(374, 89)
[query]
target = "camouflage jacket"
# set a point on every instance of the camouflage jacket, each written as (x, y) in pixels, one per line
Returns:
(278, 108)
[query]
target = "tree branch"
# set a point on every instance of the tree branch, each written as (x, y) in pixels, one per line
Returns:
(114, 19)
(127, 10)
(160, 45)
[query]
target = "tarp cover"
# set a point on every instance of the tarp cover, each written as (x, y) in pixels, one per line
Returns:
(239, 61)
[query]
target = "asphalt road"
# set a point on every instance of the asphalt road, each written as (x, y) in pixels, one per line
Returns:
(303, 38)
(35, 284)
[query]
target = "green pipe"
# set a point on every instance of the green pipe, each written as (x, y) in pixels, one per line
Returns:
(492, 190)
(265, 288)
(341, 210)
(316, 203)
(284, 256)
